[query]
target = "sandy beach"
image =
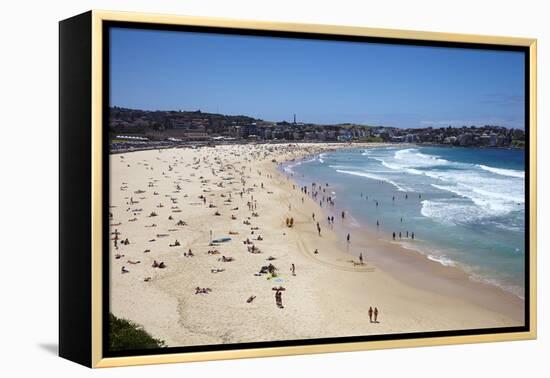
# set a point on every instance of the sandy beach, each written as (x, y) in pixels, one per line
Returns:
(168, 202)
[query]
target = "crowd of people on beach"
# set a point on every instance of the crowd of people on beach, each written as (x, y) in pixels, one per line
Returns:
(233, 184)
(319, 193)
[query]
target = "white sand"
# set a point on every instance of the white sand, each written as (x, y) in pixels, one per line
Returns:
(328, 297)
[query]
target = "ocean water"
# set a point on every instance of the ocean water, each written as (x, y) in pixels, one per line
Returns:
(466, 206)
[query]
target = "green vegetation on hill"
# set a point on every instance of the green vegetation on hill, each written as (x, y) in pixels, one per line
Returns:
(518, 144)
(372, 139)
(126, 335)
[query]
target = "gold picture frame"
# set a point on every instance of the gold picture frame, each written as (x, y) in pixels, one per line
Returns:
(93, 25)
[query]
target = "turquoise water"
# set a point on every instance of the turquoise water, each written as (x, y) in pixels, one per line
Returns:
(466, 206)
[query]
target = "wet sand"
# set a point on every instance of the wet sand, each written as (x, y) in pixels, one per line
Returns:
(328, 297)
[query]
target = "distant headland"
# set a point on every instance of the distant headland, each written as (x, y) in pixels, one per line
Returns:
(139, 128)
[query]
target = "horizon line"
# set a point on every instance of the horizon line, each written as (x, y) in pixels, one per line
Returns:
(433, 125)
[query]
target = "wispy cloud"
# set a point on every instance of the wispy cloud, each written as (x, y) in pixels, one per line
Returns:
(503, 99)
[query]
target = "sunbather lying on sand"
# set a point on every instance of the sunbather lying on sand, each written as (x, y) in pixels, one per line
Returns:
(254, 249)
(202, 290)
(226, 259)
(158, 265)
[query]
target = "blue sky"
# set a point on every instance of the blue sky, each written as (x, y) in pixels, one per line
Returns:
(320, 81)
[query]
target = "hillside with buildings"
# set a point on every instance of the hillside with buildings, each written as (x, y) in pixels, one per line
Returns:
(129, 127)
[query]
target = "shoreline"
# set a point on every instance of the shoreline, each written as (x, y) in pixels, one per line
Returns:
(327, 286)
(399, 244)
(422, 258)
(281, 142)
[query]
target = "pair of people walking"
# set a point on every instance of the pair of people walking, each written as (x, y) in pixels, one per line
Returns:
(373, 314)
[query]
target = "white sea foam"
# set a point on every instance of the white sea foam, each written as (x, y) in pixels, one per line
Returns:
(412, 158)
(448, 212)
(514, 289)
(495, 202)
(410, 161)
(375, 177)
(502, 171)
(453, 193)
(491, 191)
(443, 260)
(508, 227)
(440, 258)
(289, 167)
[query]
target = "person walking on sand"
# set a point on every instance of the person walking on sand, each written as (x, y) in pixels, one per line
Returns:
(376, 314)
(361, 258)
(348, 238)
(370, 314)
(318, 228)
(343, 214)
(279, 299)
(293, 269)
